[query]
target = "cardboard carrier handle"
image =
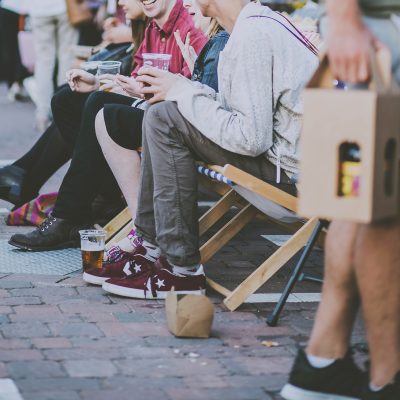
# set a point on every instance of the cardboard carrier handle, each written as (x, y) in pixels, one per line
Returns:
(380, 66)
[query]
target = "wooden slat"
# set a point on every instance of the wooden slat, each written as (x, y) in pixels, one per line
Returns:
(123, 233)
(218, 288)
(117, 223)
(260, 187)
(227, 232)
(273, 264)
(215, 213)
(216, 168)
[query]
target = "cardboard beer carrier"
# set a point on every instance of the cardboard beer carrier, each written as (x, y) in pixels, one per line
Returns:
(350, 147)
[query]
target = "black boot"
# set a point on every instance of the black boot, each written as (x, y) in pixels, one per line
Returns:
(53, 234)
(11, 181)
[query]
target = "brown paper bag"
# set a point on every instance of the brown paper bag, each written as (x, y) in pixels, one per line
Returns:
(350, 148)
(78, 12)
(189, 315)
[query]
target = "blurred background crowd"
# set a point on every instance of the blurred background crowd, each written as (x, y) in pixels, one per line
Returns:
(41, 39)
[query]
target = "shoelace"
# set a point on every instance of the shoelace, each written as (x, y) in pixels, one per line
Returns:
(115, 254)
(47, 223)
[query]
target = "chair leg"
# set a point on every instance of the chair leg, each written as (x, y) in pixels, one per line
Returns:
(272, 320)
(271, 266)
(227, 232)
(214, 214)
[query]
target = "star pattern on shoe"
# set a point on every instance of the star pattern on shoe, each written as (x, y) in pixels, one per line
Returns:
(160, 283)
(137, 268)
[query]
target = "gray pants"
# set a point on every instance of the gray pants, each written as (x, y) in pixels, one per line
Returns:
(167, 207)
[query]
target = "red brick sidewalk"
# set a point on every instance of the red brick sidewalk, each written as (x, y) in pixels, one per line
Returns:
(63, 340)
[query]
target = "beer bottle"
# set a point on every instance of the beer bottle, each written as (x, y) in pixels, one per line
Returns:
(349, 170)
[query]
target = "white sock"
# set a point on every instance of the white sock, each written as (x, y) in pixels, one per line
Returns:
(320, 362)
(126, 244)
(375, 388)
(193, 270)
(152, 251)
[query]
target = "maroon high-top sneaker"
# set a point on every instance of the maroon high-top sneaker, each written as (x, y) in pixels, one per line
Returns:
(155, 282)
(118, 268)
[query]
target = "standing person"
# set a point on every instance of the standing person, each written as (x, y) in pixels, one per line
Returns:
(253, 122)
(362, 262)
(54, 37)
(14, 72)
(76, 119)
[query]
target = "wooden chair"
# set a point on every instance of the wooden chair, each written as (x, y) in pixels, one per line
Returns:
(254, 196)
(118, 227)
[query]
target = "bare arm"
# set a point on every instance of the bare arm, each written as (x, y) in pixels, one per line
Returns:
(349, 41)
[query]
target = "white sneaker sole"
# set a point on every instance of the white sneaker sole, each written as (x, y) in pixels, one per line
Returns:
(93, 280)
(290, 392)
(140, 294)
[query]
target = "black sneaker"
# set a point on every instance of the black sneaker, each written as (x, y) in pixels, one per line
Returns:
(390, 392)
(53, 234)
(342, 380)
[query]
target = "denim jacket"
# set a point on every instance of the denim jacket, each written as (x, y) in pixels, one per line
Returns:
(206, 66)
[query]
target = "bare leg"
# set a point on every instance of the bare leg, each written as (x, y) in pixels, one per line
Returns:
(125, 164)
(340, 301)
(377, 266)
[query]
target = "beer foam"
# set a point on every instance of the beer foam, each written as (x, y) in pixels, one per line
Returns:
(87, 245)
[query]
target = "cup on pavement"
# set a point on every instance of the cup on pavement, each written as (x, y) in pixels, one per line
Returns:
(92, 248)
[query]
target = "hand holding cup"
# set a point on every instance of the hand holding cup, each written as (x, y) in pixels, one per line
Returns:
(155, 83)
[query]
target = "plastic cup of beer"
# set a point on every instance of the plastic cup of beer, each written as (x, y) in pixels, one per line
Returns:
(108, 68)
(156, 60)
(92, 248)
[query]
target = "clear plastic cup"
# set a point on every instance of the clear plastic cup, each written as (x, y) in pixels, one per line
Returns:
(93, 243)
(156, 60)
(109, 68)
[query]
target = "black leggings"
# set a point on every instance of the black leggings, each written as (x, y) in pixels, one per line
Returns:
(46, 156)
(53, 149)
(89, 171)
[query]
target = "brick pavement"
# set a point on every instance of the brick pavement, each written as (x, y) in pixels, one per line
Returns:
(63, 340)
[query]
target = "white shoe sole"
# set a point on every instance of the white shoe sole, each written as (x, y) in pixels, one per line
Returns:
(140, 294)
(93, 280)
(290, 392)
